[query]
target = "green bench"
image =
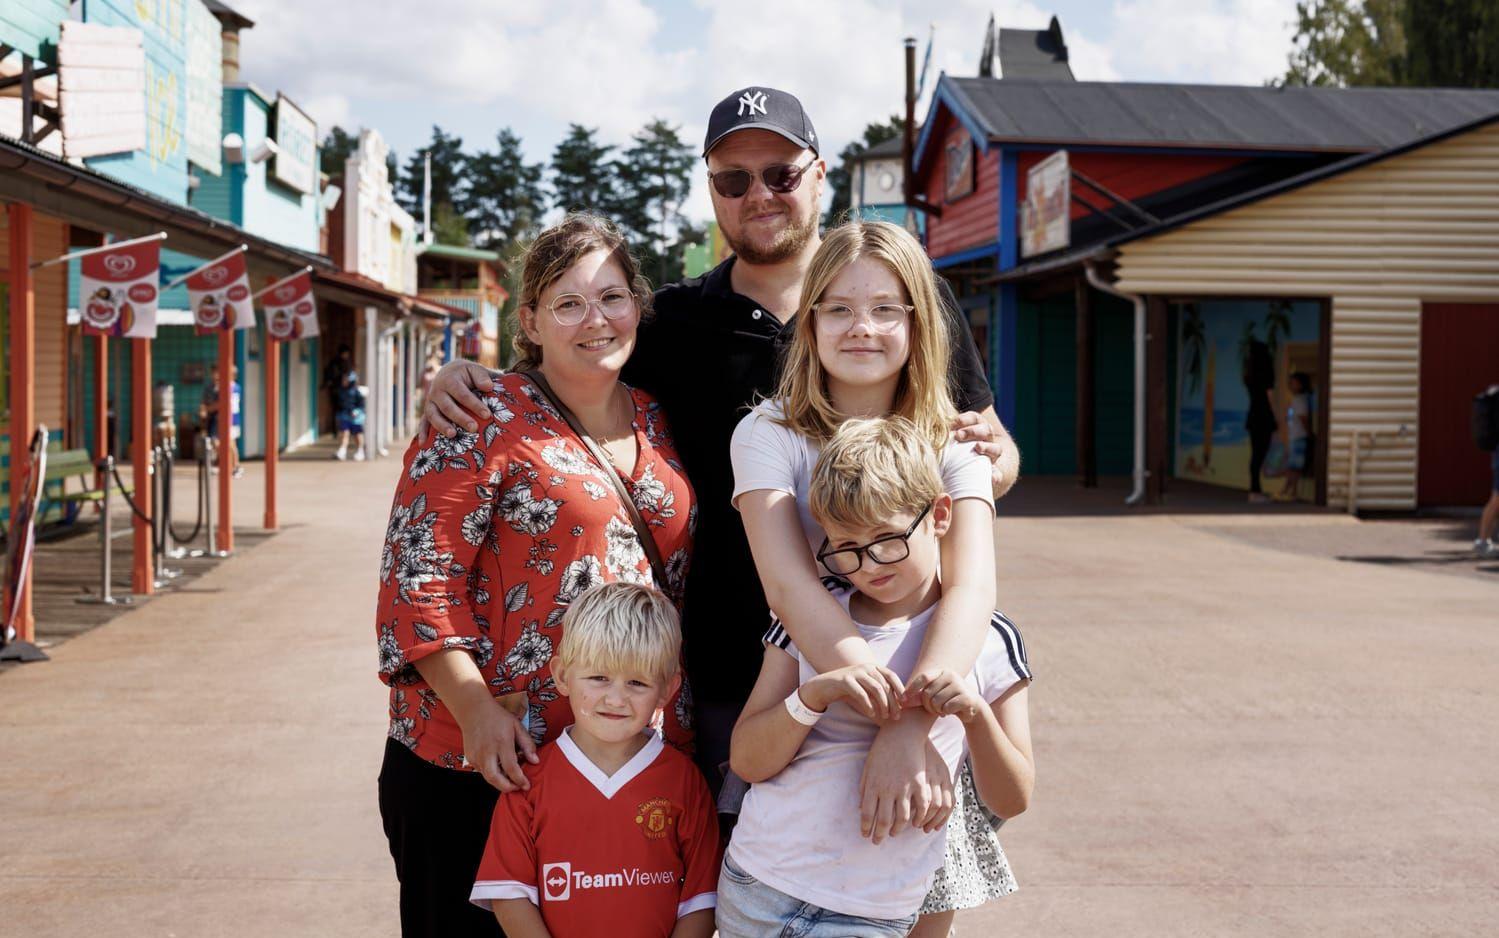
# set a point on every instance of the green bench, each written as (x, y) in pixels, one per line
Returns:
(59, 505)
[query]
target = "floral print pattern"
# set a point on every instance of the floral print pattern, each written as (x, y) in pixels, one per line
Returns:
(492, 533)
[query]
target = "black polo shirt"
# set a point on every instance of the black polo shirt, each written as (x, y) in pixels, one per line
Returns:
(709, 355)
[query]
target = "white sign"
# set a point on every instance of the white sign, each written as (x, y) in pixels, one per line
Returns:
(1046, 217)
(205, 88)
(296, 142)
(102, 89)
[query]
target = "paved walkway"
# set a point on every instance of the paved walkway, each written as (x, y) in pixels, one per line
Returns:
(1233, 738)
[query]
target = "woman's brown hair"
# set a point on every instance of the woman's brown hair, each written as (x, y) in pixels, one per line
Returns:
(550, 256)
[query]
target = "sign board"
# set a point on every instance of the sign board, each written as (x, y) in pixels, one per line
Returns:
(205, 88)
(1046, 216)
(219, 294)
(960, 166)
(160, 166)
(102, 89)
(295, 163)
(31, 27)
(118, 290)
(290, 310)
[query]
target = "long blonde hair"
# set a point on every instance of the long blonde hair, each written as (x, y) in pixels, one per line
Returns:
(923, 395)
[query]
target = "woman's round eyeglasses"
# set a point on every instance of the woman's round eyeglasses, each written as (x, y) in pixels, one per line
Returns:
(569, 309)
(892, 548)
(835, 318)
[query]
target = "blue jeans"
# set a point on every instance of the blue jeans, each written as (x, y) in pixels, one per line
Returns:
(747, 908)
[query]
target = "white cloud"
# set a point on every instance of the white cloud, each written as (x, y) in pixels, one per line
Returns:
(1239, 42)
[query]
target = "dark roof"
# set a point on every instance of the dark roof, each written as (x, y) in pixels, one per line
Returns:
(890, 148)
(228, 15)
(1079, 113)
(1034, 53)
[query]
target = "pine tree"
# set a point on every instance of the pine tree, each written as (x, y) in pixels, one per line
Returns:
(655, 177)
(1452, 43)
(1348, 43)
(448, 175)
(338, 146)
(504, 200)
(583, 178)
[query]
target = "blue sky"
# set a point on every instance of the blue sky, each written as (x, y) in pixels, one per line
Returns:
(474, 66)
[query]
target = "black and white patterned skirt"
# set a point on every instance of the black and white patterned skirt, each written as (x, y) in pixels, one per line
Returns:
(976, 870)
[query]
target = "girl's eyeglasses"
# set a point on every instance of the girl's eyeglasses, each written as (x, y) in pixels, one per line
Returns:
(892, 548)
(569, 309)
(781, 177)
(836, 318)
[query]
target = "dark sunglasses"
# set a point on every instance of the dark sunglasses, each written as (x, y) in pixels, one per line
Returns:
(892, 548)
(782, 177)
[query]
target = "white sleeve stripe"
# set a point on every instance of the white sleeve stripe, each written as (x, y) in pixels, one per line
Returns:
(1014, 645)
(776, 635)
(486, 889)
(703, 900)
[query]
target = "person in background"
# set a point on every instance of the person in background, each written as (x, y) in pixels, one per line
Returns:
(1258, 374)
(348, 404)
(208, 410)
(1298, 432)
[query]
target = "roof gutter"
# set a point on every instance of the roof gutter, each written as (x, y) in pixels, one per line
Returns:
(1090, 268)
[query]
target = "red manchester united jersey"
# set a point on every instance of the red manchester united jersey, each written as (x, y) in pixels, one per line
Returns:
(627, 854)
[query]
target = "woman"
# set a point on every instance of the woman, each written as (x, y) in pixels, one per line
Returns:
(1258, 373)
(871, 341)
(492, 533)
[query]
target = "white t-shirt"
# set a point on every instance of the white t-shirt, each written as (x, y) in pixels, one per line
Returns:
(1301, 407)
(769, 456)
(799, 831)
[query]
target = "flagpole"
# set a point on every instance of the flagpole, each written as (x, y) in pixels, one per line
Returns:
(159, 236)
(239, 250)
(304, 270)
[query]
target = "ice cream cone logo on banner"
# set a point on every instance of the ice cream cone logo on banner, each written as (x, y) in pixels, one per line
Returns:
(290, 312)
(219, 294)
(119, 290)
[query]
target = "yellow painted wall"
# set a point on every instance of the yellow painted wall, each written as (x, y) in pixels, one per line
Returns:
(1379, 240)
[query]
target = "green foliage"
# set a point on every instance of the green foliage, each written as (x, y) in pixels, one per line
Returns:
(654, 177)
(1453, 43)
(840, 179)
(1348, 43)
(504, 201)
(449, 177)
(449, 226)
(583, 177)
(337, 147)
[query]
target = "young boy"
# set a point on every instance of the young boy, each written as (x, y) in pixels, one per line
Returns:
(798, 852)
(617, 833)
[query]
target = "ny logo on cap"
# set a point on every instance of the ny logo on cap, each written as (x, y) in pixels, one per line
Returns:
(754, 100)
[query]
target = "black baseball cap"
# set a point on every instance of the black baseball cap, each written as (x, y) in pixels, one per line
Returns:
(760, 108)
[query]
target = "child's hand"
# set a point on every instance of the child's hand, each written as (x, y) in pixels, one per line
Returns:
(946, 694)
(872, 690)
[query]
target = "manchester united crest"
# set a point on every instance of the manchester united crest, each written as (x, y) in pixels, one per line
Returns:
(656, 818)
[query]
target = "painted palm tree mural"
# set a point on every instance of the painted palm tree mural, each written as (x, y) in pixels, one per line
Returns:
(1195, 353)
(1277, 325)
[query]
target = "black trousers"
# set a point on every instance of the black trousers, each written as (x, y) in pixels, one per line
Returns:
(1259, 448)
(437, 821)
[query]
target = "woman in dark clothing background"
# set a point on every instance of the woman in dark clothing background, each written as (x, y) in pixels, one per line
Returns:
(1259, 378)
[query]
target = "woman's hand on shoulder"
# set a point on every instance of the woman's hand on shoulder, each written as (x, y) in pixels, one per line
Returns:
(494, 742)
(873, 690)
(451, 401)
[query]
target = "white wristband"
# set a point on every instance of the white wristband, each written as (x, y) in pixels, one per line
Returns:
(800, 712)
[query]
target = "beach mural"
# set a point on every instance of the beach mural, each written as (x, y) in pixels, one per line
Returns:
(1213, 338)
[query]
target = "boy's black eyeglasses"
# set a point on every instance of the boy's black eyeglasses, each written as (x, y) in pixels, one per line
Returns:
(893, 548)
(782, 177)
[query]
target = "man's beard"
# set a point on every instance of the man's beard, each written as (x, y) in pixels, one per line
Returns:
(786, 245)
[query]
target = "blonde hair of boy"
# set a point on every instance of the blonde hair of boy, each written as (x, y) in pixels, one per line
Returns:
(923, 395)
(873, 470)
(622, 627)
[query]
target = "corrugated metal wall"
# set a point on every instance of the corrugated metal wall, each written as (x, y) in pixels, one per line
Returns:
(1378, 240)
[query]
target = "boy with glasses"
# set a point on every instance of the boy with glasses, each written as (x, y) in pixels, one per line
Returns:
(798, 851)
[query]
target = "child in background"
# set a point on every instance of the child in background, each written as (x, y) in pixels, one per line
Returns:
(616, 834)
(798, 851)
(1298, 432)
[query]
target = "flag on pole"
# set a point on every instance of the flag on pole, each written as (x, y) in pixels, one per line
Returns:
(219, 294)
(118, 292)
(290, 310)
(926, 60)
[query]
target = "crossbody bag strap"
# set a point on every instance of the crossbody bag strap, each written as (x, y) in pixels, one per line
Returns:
(642, 531)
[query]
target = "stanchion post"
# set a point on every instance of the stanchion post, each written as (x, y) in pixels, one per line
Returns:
(101, 407)
(106, 595)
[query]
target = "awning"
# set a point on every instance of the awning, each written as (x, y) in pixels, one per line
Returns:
(358, 290)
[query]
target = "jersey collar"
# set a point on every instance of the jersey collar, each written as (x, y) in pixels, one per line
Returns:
(609, 785)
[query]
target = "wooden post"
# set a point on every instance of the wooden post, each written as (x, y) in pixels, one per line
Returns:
(101, 406)
(1087, 418)
(22, 397)
(272, 399)
(225, 529)
(142, 576)
(1156, 335)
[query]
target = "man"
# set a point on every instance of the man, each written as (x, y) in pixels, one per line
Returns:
(710, 352)
(208, 411)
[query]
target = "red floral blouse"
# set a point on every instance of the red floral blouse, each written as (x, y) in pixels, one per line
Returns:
(492, 534)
